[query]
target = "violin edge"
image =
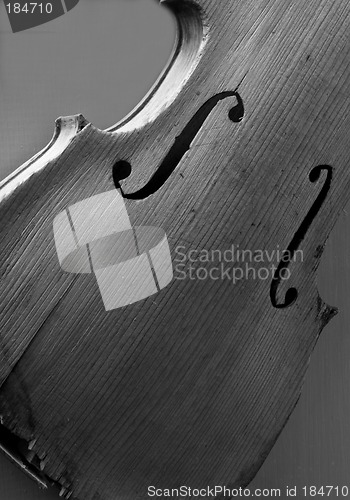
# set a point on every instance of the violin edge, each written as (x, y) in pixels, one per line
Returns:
(66, 129)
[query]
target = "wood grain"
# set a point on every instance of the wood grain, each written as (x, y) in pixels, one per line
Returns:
(193, 385)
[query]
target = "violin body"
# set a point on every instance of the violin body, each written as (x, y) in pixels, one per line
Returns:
(242, 144)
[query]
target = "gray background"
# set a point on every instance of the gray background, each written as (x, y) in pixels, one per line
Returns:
(100, 59)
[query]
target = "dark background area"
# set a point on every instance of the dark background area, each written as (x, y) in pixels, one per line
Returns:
(100, 59)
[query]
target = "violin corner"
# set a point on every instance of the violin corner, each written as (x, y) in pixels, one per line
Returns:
(325, 312)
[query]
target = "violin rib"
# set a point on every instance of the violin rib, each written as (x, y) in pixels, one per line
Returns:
(142, 342)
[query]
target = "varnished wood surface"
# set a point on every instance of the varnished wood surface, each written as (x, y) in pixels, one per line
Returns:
(243, 133)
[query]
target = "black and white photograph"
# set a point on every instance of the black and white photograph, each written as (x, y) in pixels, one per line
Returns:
(174, 249)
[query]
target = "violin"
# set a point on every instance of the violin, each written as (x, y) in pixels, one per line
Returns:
(158, 289)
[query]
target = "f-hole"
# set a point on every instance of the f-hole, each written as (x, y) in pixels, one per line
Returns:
(182, 143)
(292, 293)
